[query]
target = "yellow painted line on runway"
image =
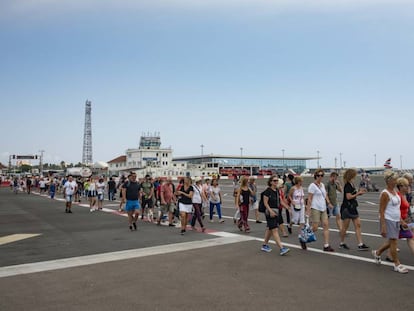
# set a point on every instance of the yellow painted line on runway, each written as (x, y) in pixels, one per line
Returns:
(17, 237)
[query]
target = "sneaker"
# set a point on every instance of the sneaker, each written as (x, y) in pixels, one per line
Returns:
(284, 251)
(376, 257)
(182, 232)
(70, 211)
(135, 225)
(171, 225)
(211, 220)
(130, 228)
(363, 247)
(266, 248)
(289, 229)
(344, 246)
(221, 221)
(400, 269)
(92, 210)
(328, 249)
(258, 221)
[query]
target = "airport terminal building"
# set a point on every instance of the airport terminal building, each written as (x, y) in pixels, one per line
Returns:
(151, 158)
(248, 165)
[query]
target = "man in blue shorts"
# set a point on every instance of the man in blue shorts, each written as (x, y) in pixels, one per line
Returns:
(130, 194)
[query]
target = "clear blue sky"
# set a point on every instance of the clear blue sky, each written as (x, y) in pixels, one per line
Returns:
(334, 76)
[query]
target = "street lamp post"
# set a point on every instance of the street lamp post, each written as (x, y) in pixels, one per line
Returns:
(400, 162)
(241, 157)
(318, 158)
(202, 149)
(375, 160)
(41, 162)
(340, 160)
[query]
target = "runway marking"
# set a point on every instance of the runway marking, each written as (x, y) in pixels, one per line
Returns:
(348, 256)
(17, 237)
(224, 238)
(120, 255)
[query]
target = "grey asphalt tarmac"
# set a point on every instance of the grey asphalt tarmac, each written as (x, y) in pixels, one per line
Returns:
(91, 261)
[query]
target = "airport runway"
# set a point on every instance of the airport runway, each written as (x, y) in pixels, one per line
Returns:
(51, 260)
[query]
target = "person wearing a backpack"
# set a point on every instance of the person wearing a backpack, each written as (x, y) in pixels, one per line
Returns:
(271, 201)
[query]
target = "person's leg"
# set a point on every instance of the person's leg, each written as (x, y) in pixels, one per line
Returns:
(393, 252)
(358, 234)
(130, 219)
(183, 219)
(211, 211)
(383, 248)
(410, 243)
(276, 237)
(198, 215)
(345, 225)
(315, 218)
(325, 225)
(218, 208)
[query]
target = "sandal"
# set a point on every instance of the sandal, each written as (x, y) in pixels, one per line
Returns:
(400, 269)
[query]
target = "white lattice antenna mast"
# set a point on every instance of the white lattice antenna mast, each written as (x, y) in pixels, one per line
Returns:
(87, 135)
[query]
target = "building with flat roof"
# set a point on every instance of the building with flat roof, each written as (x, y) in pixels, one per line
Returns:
(249, 165)
(151, 158)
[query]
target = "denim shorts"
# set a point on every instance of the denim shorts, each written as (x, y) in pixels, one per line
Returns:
(333, 211)
(131, 205)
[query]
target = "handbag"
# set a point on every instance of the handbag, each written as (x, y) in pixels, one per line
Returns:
(306, 233)
(405, 233)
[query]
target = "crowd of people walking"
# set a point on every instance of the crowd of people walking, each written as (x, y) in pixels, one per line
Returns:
(283, 203)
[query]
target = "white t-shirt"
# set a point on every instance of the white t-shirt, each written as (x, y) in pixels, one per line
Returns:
(197, 194)
(318, 198)
(70, 187)
(100, 187)
(215, 194)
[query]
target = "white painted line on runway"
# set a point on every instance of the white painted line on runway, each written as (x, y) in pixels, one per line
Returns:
(116, 256)
(17, 237)
(348, 256)
(224, 238)
(370, 203)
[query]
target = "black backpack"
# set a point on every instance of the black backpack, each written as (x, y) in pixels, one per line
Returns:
(262, 207)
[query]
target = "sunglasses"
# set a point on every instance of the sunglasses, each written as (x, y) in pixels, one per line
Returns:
(275, 180)
(319, 175)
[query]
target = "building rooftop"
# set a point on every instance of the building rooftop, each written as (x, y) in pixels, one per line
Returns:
(120, 159)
